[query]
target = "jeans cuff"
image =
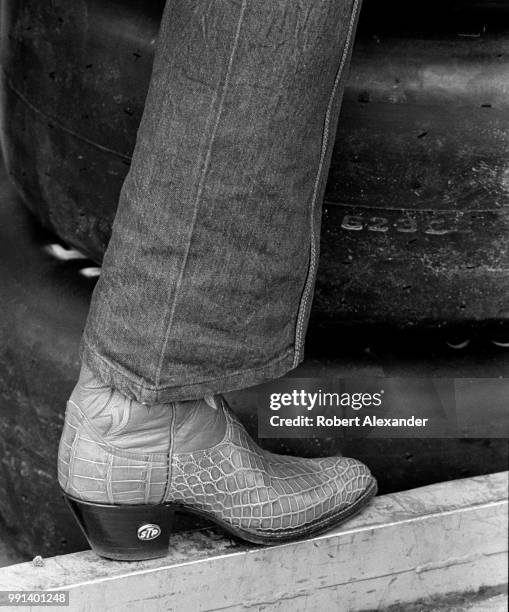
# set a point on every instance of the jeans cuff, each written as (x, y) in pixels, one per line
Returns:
(134, 387)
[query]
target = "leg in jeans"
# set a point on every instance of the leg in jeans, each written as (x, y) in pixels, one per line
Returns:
(207, 282)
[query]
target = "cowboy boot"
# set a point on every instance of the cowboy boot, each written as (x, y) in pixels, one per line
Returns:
(125, 468)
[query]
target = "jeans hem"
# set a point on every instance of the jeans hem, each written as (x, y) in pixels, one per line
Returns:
(111, 375)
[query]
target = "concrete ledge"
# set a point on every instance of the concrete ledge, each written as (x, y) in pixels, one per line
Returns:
(444, 538)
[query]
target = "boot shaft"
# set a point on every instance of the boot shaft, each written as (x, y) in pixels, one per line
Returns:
(116, 450)
(89, 467)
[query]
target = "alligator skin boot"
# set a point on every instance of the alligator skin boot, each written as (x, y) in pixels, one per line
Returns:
(125, 468)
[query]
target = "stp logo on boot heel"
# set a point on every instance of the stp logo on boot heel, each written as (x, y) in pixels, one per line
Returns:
(149, 532)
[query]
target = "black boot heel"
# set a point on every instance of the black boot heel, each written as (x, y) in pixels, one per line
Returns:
(124, 533)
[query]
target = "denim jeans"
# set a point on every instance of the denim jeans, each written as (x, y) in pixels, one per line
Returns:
(208, 278)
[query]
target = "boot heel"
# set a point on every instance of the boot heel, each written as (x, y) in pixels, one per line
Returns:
(124, 533)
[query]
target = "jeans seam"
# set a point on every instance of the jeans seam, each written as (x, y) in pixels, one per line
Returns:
(325, 141)
(201, 183)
